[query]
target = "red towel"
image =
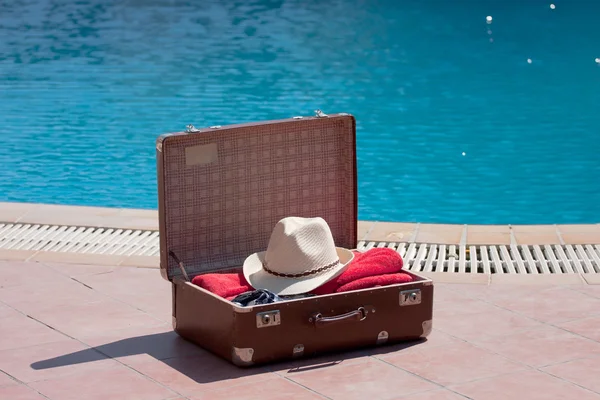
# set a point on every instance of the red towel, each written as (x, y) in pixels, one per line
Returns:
(375, 267)
(224, 285)
(378, 280)
(373, 262)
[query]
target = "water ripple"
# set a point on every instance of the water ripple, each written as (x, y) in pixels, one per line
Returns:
(87, 86)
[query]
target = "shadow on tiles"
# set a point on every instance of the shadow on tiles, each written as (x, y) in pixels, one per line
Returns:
(202, 366)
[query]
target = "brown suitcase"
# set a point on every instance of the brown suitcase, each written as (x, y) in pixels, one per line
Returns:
(221, 190)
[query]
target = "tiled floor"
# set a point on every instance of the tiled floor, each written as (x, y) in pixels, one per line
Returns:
(102, 332)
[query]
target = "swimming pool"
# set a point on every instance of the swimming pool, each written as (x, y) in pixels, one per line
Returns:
(459, 120)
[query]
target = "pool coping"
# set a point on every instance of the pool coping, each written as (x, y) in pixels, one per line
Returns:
(408, 232)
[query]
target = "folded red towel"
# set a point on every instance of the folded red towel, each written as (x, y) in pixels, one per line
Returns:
(224, 285)
(378, 280)
(375, 267)
(374, 262)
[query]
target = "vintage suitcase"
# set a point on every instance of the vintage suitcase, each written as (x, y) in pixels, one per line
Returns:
(222, 189)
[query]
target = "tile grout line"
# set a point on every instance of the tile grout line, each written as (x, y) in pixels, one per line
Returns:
(415, 233)
(463, 235)
(559, 234)
(513, 239)
(102, 293)
(407, 371)
(567, 381)
(440, 386)
(368, 231)
(301, 385)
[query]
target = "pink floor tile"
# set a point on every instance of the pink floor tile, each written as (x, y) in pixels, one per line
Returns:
(439, 394)
(157, 304)
(6, 311)
(473, 326)
(17, 273)
(531, 385)
(467, 289)
(324, 362)
(273, 389)
(76, 270)
(198, 373)
(466, 306)
(159, 342)
(553, 305)
(51, 360)
(372, 379)
(47, 297)
(19, 392)
(446, 297)
(21, 331)
(581, 372)
(437, 338)
(155, 299)
(5, 379)
(590, 290)
(82, 320)
(542, 346)
(120, 282)
(587, 327)
(452, 364)
(118, 382)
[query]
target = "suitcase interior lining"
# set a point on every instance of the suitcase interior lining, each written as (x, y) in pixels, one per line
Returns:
(224, 190)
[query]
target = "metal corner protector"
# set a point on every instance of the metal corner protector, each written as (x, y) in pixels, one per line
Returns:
(242, 357)
(427, 328)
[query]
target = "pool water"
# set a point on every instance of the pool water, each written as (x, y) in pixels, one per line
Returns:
(459, 120)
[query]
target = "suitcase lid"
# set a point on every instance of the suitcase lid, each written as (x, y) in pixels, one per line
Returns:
(222, 189)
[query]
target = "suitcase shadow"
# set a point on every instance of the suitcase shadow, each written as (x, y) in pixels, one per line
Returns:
(200, 365)
(336, 357)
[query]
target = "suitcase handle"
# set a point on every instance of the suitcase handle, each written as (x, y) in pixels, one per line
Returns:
(358, 315)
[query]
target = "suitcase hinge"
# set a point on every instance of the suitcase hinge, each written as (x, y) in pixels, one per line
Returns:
(181, 266)
(191, 129)
(410, 297)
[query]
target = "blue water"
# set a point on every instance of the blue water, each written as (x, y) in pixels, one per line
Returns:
(87, 86)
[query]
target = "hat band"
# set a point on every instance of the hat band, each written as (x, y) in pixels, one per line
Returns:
(303, 274)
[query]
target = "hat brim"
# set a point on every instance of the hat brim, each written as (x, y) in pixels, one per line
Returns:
(258, 278)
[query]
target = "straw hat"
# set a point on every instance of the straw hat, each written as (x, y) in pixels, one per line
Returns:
(300, 257)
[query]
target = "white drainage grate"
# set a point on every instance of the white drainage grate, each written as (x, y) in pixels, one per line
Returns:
(496, 259)
(74, 239)
(493, 259)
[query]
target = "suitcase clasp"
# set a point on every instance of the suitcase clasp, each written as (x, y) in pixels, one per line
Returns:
(268, 318)
(410, 297)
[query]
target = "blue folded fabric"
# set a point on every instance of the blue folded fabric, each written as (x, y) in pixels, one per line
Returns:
(256, 297)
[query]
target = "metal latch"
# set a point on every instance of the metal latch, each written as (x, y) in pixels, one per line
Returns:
(382, 337)
(268, 318)
(410, 297)
(298, 350)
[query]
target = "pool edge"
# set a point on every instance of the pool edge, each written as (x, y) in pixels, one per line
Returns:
(144, 219)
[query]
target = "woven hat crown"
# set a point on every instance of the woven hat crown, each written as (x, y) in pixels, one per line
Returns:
(300, 245)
